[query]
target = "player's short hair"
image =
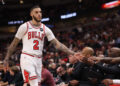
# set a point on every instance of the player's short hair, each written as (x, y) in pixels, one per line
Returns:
(35, 6)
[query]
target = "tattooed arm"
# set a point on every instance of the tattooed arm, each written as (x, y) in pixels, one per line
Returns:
(61, 47)
(108, 60)
(11, 48)
(111, 60)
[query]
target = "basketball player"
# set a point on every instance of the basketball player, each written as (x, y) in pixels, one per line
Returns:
(32, 34)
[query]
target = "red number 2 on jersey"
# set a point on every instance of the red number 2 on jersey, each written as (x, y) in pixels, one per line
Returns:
(36, 47)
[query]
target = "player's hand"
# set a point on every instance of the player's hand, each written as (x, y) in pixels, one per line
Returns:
(96, 59)
(107, 82)
(90, 61)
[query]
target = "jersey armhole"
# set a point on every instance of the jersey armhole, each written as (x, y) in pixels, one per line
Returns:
(27, 29)
(44, 28)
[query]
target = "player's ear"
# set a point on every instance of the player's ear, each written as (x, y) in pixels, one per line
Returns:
(31, 14)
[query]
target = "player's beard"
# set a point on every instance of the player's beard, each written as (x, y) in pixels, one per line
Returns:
(36, 19)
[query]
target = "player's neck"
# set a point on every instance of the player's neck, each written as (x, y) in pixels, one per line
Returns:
(34, 23)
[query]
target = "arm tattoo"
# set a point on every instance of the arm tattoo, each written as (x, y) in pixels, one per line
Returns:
(115, 60)
(111, 60)
(61, 46)
(106, 60)
(12, 48)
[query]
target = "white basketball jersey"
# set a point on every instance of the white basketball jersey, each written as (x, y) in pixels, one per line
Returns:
(33, 38)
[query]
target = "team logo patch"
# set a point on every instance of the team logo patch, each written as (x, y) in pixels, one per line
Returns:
(41, 29)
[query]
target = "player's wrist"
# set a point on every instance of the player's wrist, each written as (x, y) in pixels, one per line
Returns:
(71, 52)
(6, 59)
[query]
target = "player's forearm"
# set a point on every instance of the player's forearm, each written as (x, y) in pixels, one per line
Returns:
(106, 60)
(63, 48)
(110, 60)
(9, 52)
(115, 60)
(12, 48)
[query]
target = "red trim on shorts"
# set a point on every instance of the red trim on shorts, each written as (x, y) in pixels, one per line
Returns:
(34, 26)
(30, 55)
(27, 54)
(26, 75)
(33, 77)
(38, 57)
(27, 28)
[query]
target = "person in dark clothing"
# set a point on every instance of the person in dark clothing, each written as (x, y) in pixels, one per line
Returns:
(17, 76)
(110, 71)
(113, 56)
(6, 77)
(83, 74)
(62, 74)
(114, 67)
(52, 69)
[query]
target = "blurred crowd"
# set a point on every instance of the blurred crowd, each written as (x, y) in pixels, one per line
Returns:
(63, 70)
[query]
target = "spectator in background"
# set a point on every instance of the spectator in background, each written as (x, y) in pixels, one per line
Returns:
(62, 73)
(118, 39)
(114, 69)
(113, 52)
(47, 77)
(17, 76)
(52, 69)
(57, 57)
(84, 73)
(6, 78)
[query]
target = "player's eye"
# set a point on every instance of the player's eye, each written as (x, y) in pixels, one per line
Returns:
(40, 11)
(36, 12)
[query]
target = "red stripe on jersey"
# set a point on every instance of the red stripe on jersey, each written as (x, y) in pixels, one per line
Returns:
(26, 75)
(34, 26)
(44, 28)
(27, 28)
